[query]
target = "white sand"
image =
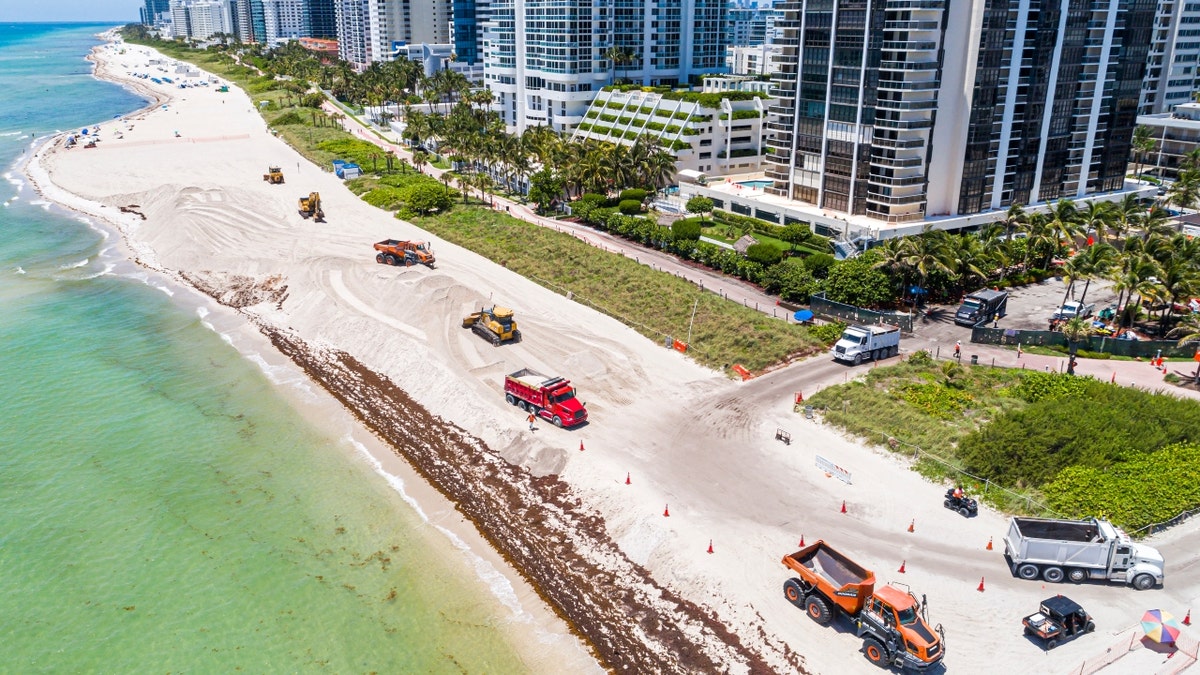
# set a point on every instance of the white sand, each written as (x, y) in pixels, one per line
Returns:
(689, 438)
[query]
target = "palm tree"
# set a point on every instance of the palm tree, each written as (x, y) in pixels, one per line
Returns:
(1076, 331)
(1143, 142)
(929, 252)
(1063, 226)
(1097, 215)
(1185, 191)
(1094, 261)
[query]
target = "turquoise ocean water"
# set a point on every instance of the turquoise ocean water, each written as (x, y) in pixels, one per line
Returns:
(162, 507)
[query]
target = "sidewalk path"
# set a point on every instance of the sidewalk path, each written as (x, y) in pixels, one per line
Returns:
(727, 287)
(1129, 373)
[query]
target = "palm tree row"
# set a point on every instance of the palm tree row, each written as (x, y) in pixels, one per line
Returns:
(1151, 266)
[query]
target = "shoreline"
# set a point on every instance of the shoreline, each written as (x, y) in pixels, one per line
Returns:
(593, 591)
(518, 604)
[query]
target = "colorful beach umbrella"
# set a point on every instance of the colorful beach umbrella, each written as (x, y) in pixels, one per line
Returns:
(1161, 626)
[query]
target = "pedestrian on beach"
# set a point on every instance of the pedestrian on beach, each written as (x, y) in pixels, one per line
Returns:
(531, 420)
(958, 349)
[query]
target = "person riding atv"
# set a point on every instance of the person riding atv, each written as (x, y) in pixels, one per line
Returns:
(957, 500)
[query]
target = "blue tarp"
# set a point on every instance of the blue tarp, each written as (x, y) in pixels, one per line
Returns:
(803, 315)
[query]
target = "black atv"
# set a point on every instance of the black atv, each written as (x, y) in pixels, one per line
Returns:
(1058, 619)
(965, 506)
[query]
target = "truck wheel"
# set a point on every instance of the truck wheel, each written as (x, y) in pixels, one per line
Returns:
(379, 258)
(1028, 571)
(516, 336)
(858, 358)
(391, 259)
(895, 350)
(1051, 644)
(510, 399)
(818, 610)
(1090, 627)
(1143, 582)
(875, 652)
(557, 421)
(1077, 575)
(793, 592)
(1053, 574)
(523, 405)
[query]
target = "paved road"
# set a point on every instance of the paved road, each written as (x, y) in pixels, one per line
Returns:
(819, 371)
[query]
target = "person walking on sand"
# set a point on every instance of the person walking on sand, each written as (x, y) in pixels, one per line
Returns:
(531, 420)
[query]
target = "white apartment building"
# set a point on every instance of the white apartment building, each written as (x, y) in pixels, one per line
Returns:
(285, 20)
(200, 19)
(1171, 68)
(375, 30)
(756, 60)
(545, 59)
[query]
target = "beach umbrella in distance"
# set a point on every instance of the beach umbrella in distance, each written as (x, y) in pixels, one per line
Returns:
(803, 315)
(1161, 626)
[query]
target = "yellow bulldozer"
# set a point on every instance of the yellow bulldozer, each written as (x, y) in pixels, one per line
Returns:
(310, 207)
(274, 175)
(494, 324)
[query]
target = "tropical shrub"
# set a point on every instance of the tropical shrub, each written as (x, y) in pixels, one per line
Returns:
(827, 333)
(630, 207)
(764, 254)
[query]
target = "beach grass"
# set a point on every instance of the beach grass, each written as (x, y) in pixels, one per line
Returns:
(655, 304)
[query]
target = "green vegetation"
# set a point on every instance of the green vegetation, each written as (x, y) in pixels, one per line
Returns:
(712, 100)
(653, 303)
(741, 115)
(1081, 446)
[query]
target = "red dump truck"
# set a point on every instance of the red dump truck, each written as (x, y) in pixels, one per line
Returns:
(551, 398)
(890, 621)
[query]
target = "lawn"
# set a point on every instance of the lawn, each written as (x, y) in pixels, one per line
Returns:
(1077, 445)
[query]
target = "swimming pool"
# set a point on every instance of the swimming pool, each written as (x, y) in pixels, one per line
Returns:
(757, 184)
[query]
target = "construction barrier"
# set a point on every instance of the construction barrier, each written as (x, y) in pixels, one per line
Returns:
(834, 470)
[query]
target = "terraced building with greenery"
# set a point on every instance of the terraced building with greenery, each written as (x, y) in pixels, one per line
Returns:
(716, 131)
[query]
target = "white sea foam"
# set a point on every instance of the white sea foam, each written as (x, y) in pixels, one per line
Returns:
(202, 312)
(13, 133)
(72, 266)
(20, 270)
(107, 270)
(495, 580)
(170, 293)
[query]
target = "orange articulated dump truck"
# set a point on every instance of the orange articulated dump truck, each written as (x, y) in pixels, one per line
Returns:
(890, 621)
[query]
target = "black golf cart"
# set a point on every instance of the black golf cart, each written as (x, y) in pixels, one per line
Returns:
(1058, 619)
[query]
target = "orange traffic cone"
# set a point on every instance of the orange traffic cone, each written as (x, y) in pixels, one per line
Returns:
(980, 589)
(627, 478)
(581, 446)
(1187, 619)
(801, 541)
(901, 570)
(843, 506)
(912, 525)
(667, 511)
(710, 546)
(989, 546)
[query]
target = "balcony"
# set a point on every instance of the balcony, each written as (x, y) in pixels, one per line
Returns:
(911, 25)
(903, 124)
(906, 105)
(892, 85)
(898, 142)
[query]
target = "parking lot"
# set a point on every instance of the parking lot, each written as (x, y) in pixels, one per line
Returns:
(1029, 308)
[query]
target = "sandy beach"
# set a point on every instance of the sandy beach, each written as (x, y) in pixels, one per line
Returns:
(181, 183)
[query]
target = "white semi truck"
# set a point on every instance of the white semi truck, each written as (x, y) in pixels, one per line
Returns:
(859, 343)
(1078, 550)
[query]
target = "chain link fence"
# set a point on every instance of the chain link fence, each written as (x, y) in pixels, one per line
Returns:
(824, 307)
(1130, 640)
(1095, 343)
